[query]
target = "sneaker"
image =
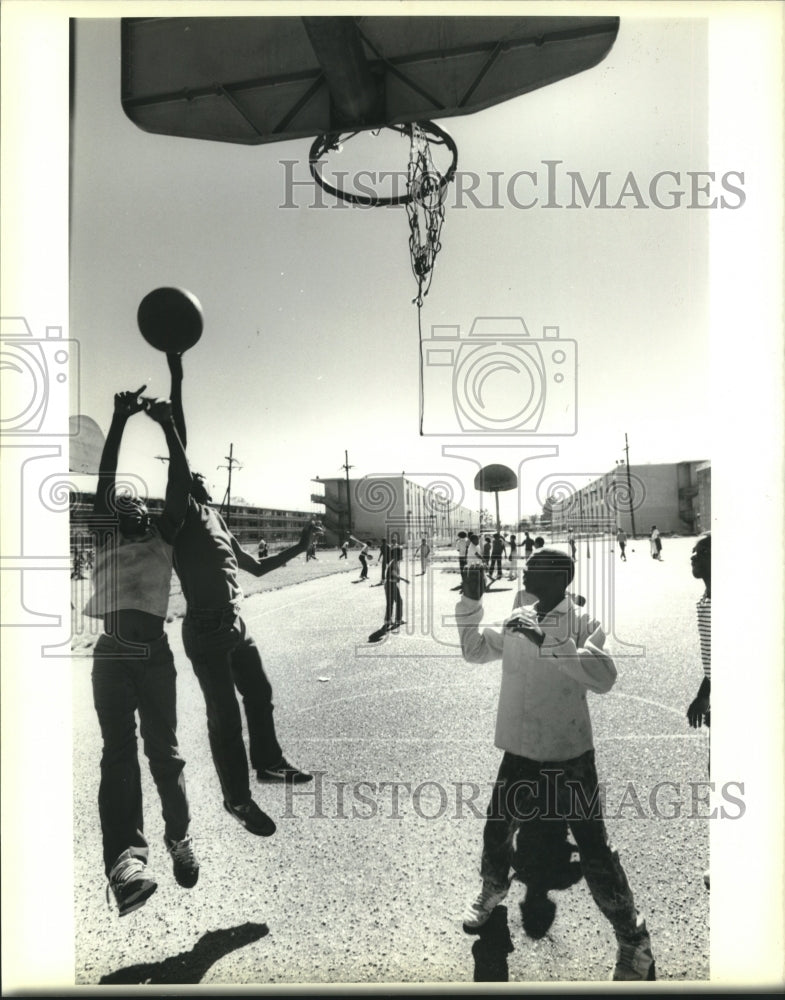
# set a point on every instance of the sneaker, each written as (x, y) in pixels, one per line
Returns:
(184, 862)
(478, 913)
(634, 960)
(130, 883)
(252, 818)
(284, 771)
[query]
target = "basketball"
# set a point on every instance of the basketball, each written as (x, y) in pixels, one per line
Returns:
(170, 319)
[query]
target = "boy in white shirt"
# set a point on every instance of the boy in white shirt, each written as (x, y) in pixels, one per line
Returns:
(552, 654)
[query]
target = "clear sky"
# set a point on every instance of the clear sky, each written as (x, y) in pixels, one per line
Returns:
(311, 345)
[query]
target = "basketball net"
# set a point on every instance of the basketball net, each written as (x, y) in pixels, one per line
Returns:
(425, 209)
(426, 190)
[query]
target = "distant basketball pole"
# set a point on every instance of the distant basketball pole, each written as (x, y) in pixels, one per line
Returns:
(346, 467)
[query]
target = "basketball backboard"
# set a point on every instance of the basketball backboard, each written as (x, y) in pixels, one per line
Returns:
(266, 79)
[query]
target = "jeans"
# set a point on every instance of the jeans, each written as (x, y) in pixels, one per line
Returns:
(364, 571)
(541, 792)
(121, 688)
(224, 656)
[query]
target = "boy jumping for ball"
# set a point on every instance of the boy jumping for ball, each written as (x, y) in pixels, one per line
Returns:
(552, 654)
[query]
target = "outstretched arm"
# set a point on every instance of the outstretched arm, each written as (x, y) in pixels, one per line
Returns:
(178, 484)
(125, 405)
(261, 567)
(175, 362)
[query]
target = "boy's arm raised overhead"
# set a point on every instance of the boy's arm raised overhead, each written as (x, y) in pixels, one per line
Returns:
(178, 483)
(126, 404)
(175, 362)
(476, 646)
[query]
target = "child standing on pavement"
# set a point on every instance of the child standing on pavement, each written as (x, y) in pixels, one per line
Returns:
(552, 654)
(699, 710)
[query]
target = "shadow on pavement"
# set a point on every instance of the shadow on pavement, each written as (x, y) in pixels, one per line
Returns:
(189, 966)
(491, 949)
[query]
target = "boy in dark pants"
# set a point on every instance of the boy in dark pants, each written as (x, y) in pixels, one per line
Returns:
(224, 657)
(552, 655)
(133, 670)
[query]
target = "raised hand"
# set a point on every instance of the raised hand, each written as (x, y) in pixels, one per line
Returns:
(128, 403)
(474, 584)
(159, 410)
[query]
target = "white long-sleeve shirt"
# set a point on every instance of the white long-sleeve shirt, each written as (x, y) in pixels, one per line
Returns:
(542, 714)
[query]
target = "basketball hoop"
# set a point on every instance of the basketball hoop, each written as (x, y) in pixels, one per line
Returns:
(426, 188)
(331, 142)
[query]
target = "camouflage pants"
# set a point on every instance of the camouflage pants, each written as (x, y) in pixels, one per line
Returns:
(539, 797)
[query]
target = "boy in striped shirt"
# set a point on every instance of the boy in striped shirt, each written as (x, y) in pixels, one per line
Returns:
(699, 711)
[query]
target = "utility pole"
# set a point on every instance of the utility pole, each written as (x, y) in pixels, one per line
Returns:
(629, 483)
(346, 466)
(226, 502)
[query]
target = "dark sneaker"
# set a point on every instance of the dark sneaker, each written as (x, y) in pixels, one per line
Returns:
(130, 883)
(284, 771)
(252, 818)
(634, 960)
(184, 862)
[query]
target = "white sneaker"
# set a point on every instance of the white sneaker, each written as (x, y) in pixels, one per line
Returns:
(478, 913)
(130, 883)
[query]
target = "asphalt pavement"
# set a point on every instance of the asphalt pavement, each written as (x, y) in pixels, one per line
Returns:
(368, 874)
